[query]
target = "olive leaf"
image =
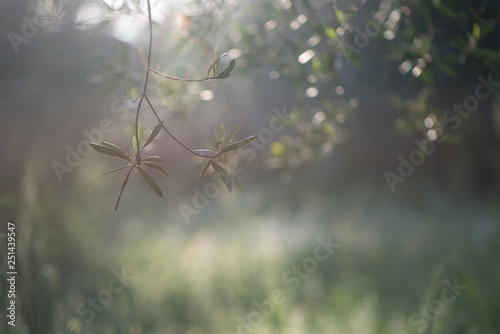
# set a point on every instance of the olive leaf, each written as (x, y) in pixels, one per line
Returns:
(114, 148)
(239, 144)
(158, 168)
(206, 153)
(205, 169)
(115, 170)
(108, 151)
(223, 175)
(216, 70)
(225, 74)
(153, 134)
(215, 64)
(231, 135)
(222, 131)
(134, 145)
(149, 180)
(154, 158)
(124, 184)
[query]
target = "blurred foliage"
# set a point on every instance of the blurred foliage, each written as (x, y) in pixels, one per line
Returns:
(207, 277)
(392, 261)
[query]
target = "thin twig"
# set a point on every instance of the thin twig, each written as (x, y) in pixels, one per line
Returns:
(148, 68)
(144, 95)
(193, 80)
(170, 133)
(181, 79)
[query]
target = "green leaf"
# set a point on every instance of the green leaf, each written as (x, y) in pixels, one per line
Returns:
(104, 150)
(158, 168)
(206, 153)
(124, 184)
(153, 134)
(225, 74)
(154, 158)
(205, 169)
(215, 64)
(134, 145)
(222, 131)
(239, 144)
(149, 180)
(216, 135)
(218, 146)
(231, 135)
(115, 170)
(114, 148)
(216, 70)
(223, 175)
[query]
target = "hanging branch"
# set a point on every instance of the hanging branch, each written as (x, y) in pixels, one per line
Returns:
(223, 145)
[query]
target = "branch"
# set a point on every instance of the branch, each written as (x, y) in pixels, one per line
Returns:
(148, 68)
(170, 133)
(216, 62)
(181, 79)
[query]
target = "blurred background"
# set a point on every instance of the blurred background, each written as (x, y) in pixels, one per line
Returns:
(369, 202)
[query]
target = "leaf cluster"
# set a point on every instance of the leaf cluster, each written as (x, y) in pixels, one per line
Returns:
(134, 161)
(223, 145)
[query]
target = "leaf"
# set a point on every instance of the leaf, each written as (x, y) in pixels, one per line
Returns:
(223, 175)
(158, 168)
(206, 153)
(134, 145)
(104, 150)
(153, 158)
(115, 170)
(216, 135)
(222, 131)
(239, 144)
(205, 169)
(114, 148)
(216, 70)
(218, 145)
(153, 134)
(149, 180)
(231, 135)
(225, 74)
(124, 184)
(215, 64)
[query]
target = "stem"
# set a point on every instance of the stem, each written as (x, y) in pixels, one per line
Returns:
(144, 95)
(148, 68)
(170, 133)
(193, 80)
(181, 79)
